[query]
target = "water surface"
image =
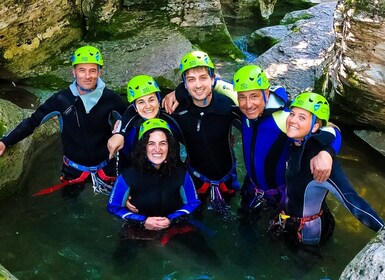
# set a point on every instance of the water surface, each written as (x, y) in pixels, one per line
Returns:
(50, 237)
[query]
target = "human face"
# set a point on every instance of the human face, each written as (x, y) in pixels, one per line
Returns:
(86, 76)
(299, 122)
(147, 106)
(157, 148)
(199, 84)
(251, 102)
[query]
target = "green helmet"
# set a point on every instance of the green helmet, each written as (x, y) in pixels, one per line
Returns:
(250, 77)
(153, 124)
(195, 59)
(314, 103)
(140, 86)
(87, 54)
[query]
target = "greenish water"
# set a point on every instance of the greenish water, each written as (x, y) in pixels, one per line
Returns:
(50, 237)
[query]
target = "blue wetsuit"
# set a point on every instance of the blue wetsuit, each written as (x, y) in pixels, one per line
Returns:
(173, 197)
(306, 197)
(153, 195)
(265, 150)
(131, 122)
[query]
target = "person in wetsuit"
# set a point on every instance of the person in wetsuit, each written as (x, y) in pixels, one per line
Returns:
(161, 189)
(85, 111)
(307, 219)
(206, 118)
(265, 143)
(144, 96)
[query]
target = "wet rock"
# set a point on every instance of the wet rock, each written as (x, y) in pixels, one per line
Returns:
(369, 263)
(157, 54)
(262, 39)
(298, 61)
(17, 95)
(16, 158)
(373, 138)
(357, 72)
(5, 274)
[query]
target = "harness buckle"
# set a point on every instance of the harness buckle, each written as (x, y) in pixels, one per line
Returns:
(99, 185)
(258, 199)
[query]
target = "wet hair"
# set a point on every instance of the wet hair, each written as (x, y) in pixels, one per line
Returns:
(167, 168)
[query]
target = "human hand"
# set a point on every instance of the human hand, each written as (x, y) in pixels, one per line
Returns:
(114, 144)
(130, 206)
(2, 148)
(169, 102)
(156, 223)
(321, 166)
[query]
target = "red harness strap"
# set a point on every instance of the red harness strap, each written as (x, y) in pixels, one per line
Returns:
(64, 183)
(204, 188)
(174, 231)
(304, 220)
(222, 187)
(104, 177)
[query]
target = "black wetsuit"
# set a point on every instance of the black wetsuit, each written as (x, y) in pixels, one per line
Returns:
(306, 197)
(84, 136)
(207, 132)
(153, 195)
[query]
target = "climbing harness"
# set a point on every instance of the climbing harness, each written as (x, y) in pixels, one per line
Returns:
(217, 188)
(100, 181)
(277, 226)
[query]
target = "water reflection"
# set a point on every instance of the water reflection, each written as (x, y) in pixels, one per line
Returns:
(49, 237)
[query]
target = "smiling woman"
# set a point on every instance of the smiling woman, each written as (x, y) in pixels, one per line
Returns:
(161, 191)
(159, 187)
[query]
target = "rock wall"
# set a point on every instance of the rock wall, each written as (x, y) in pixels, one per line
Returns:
(33, 32)
(357, 74)
(34, 35)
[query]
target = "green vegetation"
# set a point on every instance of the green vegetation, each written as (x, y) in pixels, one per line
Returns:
(259, 44)
(46, 81)
(293, 20)
(3, 129)
(124, 24)
(164, 83)
(2, 59)
(215, 40)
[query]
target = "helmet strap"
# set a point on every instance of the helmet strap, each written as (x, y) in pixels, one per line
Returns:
(86, 90)
(313, 119)
(264, 96)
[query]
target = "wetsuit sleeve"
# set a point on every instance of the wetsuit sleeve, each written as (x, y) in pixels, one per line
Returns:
(117, 202)
(28, 125)
(225, 88)
(189, 198)
(119, 109)
(334, 145)
(128, 116)
(182, 96)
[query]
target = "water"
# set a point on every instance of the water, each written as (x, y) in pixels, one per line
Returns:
(50, 237)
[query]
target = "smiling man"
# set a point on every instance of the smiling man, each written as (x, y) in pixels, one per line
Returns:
(265, 143)
(206, 118)
(84, 111)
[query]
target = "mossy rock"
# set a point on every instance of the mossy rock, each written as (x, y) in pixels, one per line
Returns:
(17, 157)
(214, 40)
